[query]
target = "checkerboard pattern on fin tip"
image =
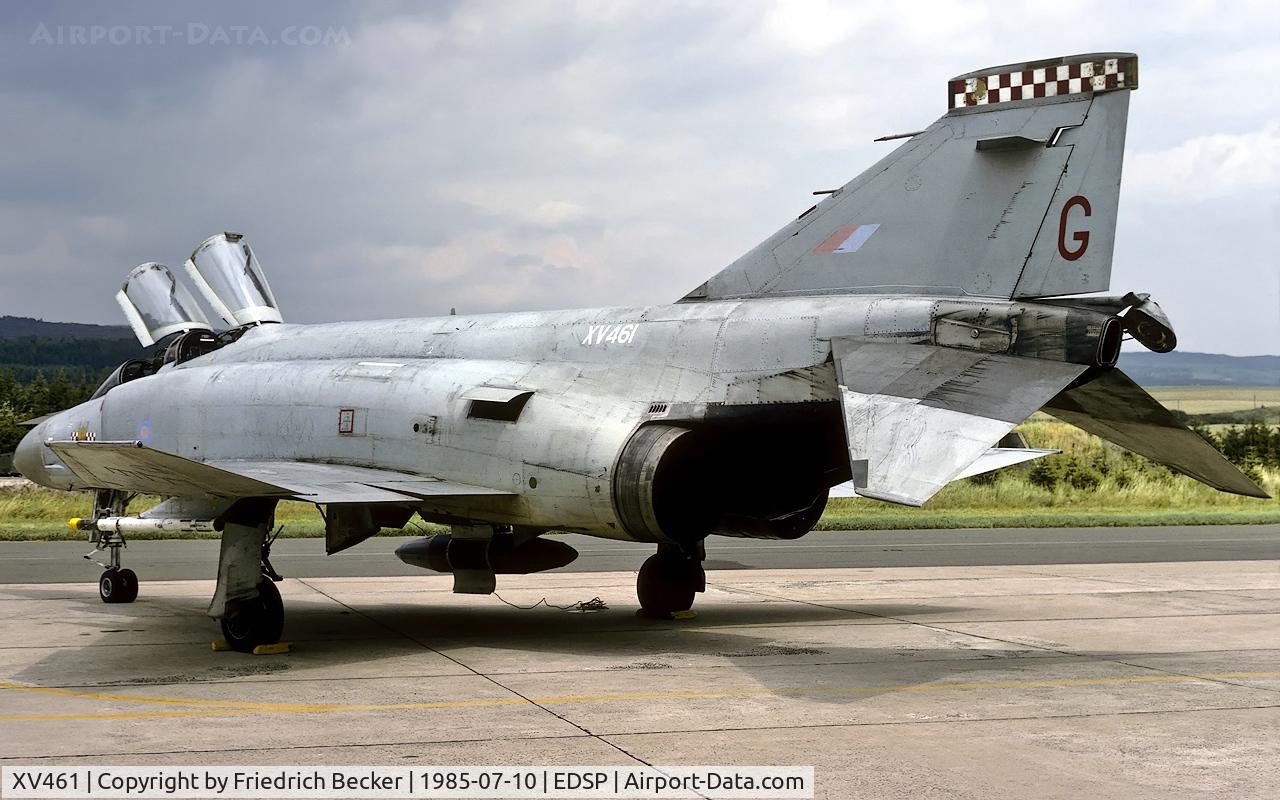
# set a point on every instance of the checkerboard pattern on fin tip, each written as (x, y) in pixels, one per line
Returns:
(1028, 82)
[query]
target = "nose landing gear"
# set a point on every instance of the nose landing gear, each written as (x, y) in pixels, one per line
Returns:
(116, 585)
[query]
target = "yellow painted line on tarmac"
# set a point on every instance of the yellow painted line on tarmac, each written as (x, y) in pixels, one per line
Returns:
(243, 706)
(132, 698)
(207, 708)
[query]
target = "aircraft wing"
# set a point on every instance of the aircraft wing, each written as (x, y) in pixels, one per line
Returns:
(131, 467)
(918, 416)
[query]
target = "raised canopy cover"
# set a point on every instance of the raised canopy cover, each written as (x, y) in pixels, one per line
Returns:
(228, 276)
(156, 305)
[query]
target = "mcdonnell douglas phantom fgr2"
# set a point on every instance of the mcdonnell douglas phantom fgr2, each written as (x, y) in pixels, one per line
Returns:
(881, 344)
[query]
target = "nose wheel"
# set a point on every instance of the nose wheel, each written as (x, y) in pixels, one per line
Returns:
(118, 586)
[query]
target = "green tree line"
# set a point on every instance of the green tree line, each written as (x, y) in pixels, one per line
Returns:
(20, 401)
(1251, 445)
(79, 359)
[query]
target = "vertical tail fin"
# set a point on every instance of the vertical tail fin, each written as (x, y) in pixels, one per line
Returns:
(1012, 193)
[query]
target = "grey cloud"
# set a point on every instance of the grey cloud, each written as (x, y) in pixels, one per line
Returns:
(537, 155)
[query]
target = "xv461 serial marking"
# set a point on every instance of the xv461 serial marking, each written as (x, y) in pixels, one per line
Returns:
(611, 334)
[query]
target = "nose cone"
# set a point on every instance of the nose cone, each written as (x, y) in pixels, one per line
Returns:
(28, 458)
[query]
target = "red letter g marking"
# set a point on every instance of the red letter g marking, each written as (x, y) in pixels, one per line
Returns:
(1080, 237)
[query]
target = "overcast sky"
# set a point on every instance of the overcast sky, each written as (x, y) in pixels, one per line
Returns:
(392, 159)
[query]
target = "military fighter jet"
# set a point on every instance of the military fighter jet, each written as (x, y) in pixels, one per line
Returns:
(884, 341)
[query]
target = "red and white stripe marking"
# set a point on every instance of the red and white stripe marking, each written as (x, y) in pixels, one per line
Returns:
(1068, 79)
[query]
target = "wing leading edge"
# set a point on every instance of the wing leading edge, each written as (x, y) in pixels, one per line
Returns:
(131, 467)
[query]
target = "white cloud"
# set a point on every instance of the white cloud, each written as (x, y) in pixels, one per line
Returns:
(813, 26)
(554, 213)
(1210, 167)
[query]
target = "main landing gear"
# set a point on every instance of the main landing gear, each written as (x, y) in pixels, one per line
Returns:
(246, 602)
(257, 621)
(116, 585)
(670, 578)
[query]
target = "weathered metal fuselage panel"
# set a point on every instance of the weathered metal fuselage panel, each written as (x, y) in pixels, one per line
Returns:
(400, 394)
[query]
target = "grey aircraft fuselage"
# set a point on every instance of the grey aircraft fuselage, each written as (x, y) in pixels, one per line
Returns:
(394, 394)
(888, 339)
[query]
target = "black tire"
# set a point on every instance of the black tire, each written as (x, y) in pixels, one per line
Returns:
(128, 580)
(109, 588)
(667, 583)
(255, 622)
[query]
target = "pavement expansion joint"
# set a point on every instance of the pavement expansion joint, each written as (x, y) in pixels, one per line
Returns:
(489, 678)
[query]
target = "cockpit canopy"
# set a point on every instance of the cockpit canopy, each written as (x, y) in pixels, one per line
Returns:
(229, 278)
(128, 371)
(156, 305)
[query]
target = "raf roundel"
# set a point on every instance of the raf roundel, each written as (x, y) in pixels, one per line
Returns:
(847, 239)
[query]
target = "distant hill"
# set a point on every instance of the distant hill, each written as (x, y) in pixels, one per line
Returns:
(26, 327)
(1200, 369)
(81, 352)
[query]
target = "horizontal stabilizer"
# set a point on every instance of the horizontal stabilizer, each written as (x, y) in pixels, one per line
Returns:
(918, 417)
(130, 467)
(995, 458)
(1115, 408)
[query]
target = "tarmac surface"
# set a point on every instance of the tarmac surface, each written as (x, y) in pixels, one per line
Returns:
(1136, 680)
(54, 562)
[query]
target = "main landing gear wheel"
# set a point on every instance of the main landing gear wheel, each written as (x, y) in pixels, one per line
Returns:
(668, 582)
(257, 621)
(118, 586)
